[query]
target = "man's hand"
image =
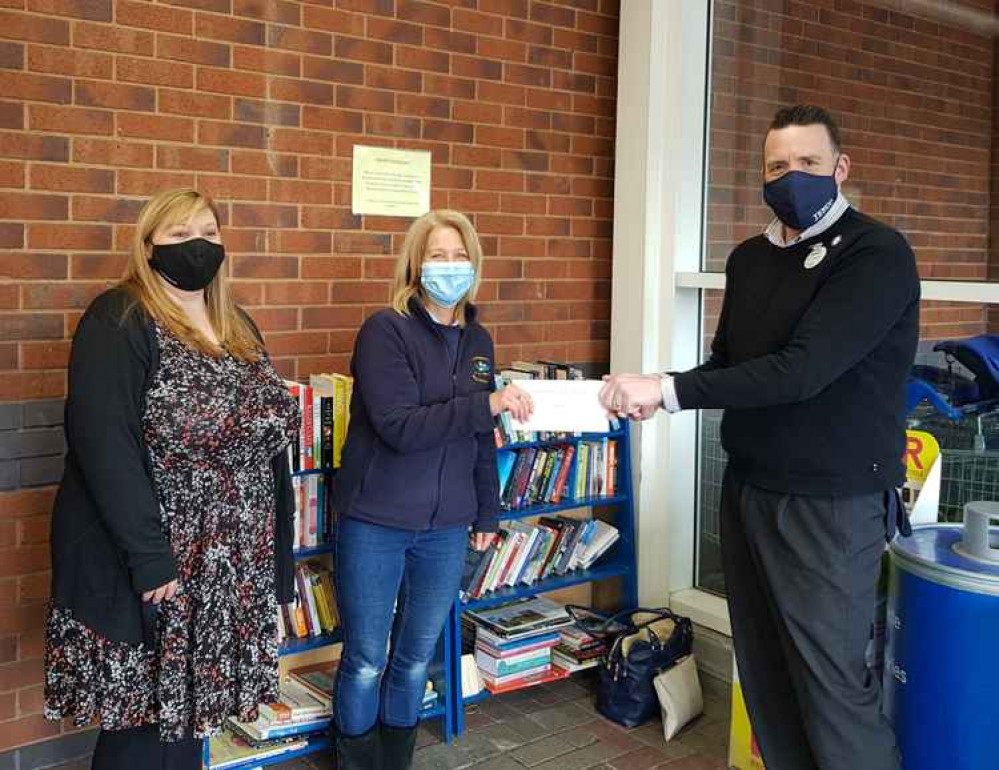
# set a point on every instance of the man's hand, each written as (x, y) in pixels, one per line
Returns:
(480, 541)
(634, 396)
(165, 591)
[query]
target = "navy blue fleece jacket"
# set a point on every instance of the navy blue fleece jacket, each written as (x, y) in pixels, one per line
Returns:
(420, 451)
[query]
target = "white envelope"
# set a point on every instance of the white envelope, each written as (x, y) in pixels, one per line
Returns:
(564, 405)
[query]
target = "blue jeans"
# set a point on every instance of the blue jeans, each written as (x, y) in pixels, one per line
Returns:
(378, 570)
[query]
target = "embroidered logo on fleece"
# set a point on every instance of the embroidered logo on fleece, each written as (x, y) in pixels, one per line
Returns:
(482, 370)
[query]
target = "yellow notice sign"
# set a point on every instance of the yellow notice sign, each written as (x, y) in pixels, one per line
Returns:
(921, 451)
(391, 182)
(743, 753)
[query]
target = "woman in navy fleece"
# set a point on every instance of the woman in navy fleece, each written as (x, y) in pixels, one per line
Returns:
(417, 483)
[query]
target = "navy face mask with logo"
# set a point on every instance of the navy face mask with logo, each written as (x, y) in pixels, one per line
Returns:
(800, 199)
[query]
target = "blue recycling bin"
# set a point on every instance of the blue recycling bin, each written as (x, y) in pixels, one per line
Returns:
(942, 644)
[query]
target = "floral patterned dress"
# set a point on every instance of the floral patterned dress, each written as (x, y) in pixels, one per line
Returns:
(212, 426)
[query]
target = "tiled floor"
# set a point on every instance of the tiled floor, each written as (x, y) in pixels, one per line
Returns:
(555, 727)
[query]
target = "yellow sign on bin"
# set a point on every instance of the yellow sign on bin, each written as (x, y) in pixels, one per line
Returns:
(743, 753)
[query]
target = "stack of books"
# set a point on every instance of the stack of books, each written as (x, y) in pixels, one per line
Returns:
(298, 712)
(547, 475)
(314, 610)
(513, 643)
(313, 513)
(577, 650)
(227, 749)
(526, 553)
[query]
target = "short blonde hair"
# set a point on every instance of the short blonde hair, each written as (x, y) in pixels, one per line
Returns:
(409, 265)
(232, 327)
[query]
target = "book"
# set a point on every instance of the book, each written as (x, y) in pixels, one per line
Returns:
(502, 667)
(502, 644)
(471, 682)
(296, 704)
(229, 750)
(551, 675)
(522, 616)
(260, 731)
(317, 678)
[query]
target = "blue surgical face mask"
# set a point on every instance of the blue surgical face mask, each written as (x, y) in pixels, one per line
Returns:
(447, 282)
(800, 199)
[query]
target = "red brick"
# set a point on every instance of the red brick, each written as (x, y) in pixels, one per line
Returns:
(264, 163)
(443, 85)
(11, 235)
(356, 49)
(217, 6)
(545, 13)
(70, 61)
(276, 319)
(229, 82)
(19, 265)
(305, 41)
(294, 191)
(11, 115)
(478, 112)
(337, 317)
(71, 120)
(523, 204)
(390, 125)
(448, 131)
(422, 59)
(115, 95)
(192, 158)
(23, 673)
(11, 56)
(528, 32)
(194, 104)
(228, 187)
(30, 206)
(264, 215)
(93, 10)
(150, 16)
(361, 243)
(41, 88)
(95, 266)
(264, 267)
(27, 502)
(333, 71)
(475, 67)
(59, 236)
(359, 292)
(304, 91)
(11, 174)
(27, 729)
(575, 40)
(392, 31)
(37, 29)
(297, 293)
(184, 49)
(151, 182)
(508, 50)
(162, 127)
(66, 179)
(429, 106)
(231, 134)
(300, 242)
(30, 700)
(499, 137)
(360, 99)
(333, 20)
(296, 343)
(113, 209)
(307, 142)
(280, 11)
(392, 78)
(269, 62)
(112, 38)
(481, 23)
(35, 588)
(229, 29)
(329, 218)
(112, 153)
(423, 12)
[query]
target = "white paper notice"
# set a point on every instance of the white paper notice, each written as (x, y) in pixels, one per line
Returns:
(564, 405)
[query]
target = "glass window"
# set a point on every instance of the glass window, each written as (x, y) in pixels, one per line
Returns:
(915, 99)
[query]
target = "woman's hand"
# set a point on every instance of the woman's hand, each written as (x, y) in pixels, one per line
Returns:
(480, 541)
(165, 591)
(514, 400)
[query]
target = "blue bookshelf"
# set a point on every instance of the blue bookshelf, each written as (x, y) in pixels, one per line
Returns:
(618, 563)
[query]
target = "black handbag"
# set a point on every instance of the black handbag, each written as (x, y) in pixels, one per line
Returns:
(640, 643)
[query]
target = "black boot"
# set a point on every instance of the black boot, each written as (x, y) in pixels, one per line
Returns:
(359, 752)
(398, 744)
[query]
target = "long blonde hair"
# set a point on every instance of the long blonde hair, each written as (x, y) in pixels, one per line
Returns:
(232, 327)
(409, 264)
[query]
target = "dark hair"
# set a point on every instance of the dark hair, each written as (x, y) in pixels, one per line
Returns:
(806, 115)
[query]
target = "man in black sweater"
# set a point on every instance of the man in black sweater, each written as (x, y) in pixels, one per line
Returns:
(817, 332)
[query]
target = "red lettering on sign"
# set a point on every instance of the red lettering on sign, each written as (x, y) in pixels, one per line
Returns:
(913, 446)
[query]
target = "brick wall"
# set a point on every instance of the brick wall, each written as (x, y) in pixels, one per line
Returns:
(994, 208)
(259, 102)
(915, 101)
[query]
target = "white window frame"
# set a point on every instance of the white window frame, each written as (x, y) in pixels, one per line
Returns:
(658, 282)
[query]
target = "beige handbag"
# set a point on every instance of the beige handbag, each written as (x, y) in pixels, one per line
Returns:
(679, 691)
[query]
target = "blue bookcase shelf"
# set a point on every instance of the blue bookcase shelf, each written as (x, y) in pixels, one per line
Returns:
(619, 562)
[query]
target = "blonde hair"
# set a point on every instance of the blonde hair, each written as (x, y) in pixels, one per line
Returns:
(409, 264)
(233, 328)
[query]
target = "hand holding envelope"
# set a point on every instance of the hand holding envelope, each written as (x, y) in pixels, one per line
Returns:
(564, 406)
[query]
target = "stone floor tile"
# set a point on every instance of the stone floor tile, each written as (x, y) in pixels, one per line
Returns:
(645, 758)
(596, 753)
(561, 717)
(541, 751)
(501, 762)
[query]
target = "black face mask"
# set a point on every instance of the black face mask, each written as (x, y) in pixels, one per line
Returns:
(190, 265)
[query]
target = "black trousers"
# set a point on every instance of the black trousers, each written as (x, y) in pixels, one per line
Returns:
(140, 748)
(801, 575)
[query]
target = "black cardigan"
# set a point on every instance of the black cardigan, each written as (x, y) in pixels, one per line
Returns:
(107, 543)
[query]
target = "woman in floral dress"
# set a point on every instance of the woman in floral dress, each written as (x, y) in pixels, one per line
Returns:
(171, 540)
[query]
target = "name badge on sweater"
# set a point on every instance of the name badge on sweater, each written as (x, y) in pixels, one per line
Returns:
(815, 256)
